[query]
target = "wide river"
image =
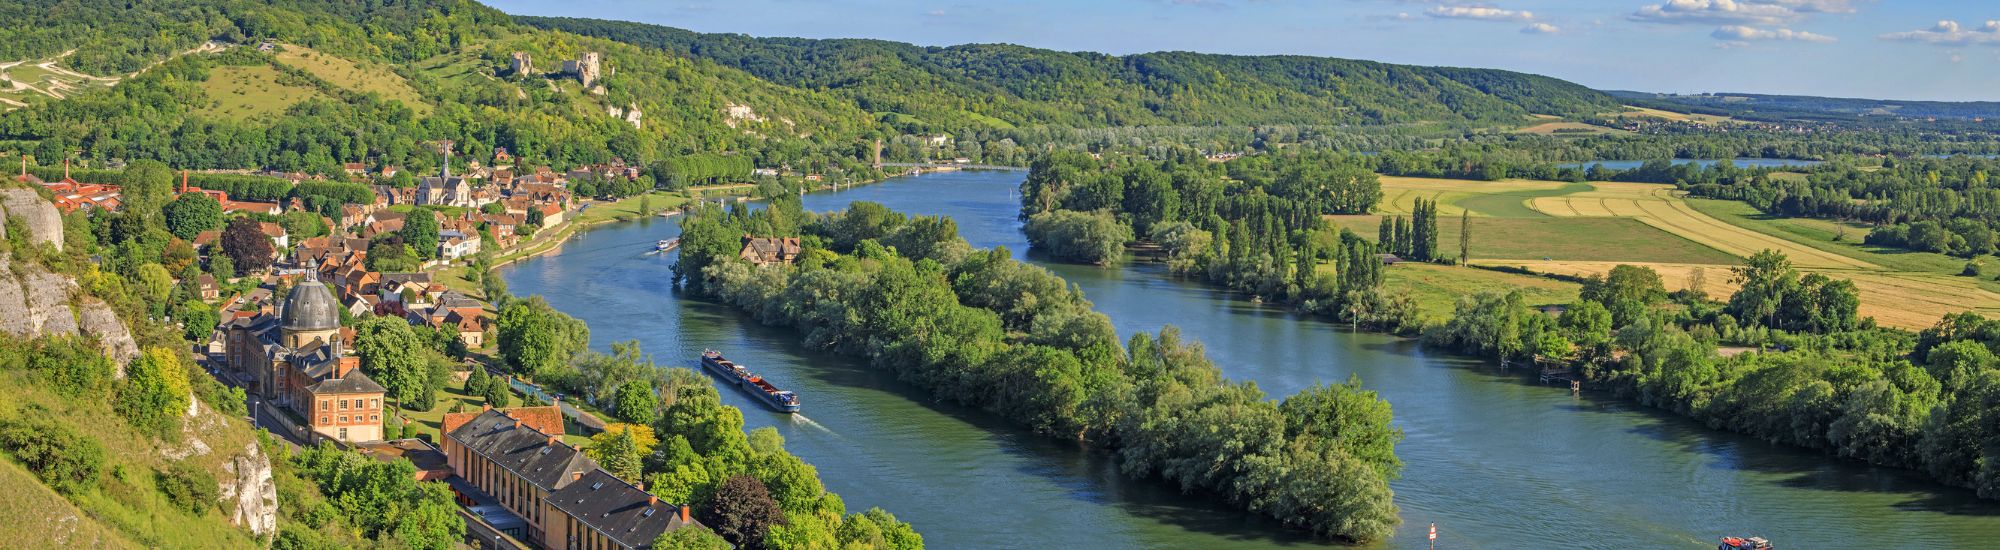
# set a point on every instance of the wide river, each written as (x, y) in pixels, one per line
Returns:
(1495, 460)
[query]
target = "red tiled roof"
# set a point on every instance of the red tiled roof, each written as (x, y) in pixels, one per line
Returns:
(548, 420)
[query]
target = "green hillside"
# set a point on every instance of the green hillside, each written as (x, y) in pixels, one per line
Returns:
(374, 82)
(986, 85)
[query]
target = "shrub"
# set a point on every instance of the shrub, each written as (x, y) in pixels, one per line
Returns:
(189, 488)
(67, 461)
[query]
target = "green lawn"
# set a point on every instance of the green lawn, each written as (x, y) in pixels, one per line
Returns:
(1438, 288)
(359, 77)
(1561, 239)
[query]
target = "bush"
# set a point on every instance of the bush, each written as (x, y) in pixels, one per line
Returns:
(67, 461)
(189, 488)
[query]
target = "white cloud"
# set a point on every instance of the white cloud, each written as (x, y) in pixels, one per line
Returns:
(1737, 12)
(1740, 33)
(1482, 13)
(1540, 28)
(1950, 33)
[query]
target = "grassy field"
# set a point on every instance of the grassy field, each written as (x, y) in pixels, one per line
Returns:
(1659, 206)
(1437, 288)
(353, 76)
(1488, 198)
(1561, 239)
(246, 92)
(37, 513)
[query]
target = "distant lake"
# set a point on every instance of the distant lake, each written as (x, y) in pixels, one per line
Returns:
(1740, 163)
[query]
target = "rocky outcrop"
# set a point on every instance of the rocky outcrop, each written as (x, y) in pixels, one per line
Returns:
(250, 491)
(43, 221)
(37, 302)
(48, 297)
(13, 305)
(98, 321)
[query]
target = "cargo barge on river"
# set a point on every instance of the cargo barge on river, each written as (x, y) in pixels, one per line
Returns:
(779, 400)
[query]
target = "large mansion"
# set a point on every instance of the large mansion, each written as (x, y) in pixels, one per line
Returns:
(296, 360)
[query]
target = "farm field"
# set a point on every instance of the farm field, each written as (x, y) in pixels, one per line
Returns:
(1485, 198)
(250, 91)
(1673, 116)
(1561, 239)
(353, 76)
(1658, 206)
(1586, 229)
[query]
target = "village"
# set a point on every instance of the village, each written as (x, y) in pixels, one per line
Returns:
(285, 335)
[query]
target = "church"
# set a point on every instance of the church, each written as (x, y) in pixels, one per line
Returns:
(296, 360)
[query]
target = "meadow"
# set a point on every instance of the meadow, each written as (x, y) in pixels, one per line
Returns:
(353, 76)
(250, 91)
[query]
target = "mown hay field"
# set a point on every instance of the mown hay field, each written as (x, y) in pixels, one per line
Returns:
(1659, 206)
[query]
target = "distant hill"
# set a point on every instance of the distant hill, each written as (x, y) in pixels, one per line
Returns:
(1004, 85)
(1768, 107)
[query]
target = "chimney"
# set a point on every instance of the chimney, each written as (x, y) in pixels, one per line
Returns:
(24, 167)
(483, 407)
(184, 181)
(553, 441)
(640, 485)
(576, 476)
(652, 500)
(65, 169)
(517, 423)
(684, 514)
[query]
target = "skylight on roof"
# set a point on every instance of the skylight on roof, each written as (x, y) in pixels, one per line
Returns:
(596, 486)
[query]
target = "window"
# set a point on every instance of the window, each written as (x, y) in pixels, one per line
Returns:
(343, 434)
(325, 405)
(375, 403)
(375, 417)
(343, 419)
(324, 420)
(343, 404)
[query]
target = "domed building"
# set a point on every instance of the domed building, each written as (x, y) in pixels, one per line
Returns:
(296, 359)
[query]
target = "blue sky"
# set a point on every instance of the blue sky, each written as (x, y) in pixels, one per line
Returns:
(1901, 49)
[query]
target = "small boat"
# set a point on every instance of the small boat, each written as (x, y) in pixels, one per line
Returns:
(666, 244)
(779, 400)
(1744, 543)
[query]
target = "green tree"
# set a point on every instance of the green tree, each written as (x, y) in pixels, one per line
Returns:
(147, 186)
(536, 339)
(393, 354)
(636, 404)
(186, 217)
(495, 391)
(156, 391)
(420, 232)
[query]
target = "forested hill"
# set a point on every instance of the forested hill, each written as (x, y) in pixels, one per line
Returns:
(973, 86)
(305, 85)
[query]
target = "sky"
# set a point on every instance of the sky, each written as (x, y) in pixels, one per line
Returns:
(1886, 49)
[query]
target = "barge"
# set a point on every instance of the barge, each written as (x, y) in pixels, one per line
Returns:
(779, 400)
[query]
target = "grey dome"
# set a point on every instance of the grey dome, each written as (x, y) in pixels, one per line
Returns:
(310, 306)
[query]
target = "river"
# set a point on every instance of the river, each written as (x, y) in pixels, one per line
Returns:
(1494, 459)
